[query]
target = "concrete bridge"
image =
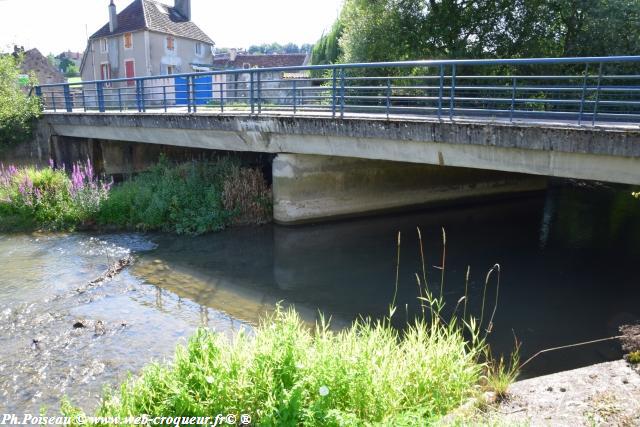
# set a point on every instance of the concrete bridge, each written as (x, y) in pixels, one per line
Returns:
(353, 145)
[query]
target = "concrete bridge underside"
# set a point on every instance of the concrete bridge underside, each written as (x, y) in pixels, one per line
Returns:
(327, 168)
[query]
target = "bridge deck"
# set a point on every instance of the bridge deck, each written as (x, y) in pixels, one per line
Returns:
(482, 119)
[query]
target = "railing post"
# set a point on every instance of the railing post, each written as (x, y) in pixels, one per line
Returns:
(251, 90)
(259, 93)
(295, 100)
(333, 95)
(84, 100)
(222, 96)
(388, 96)
(584, 92)
(188, 94)
(53, 100)
(138, 96)
(342, 93)
(100, 93)
(513, 100)
(68, 102)
(452, 98)
(440, 90)
(38, 90)
(164, 97)
(595, 106)
(194, 93)
(120, 98)
(143, 98)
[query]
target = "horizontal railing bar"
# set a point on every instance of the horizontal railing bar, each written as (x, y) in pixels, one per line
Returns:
(414, 87)
(399, 64)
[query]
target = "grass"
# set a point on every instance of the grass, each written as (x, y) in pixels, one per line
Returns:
(634, 357)
(287, 374)
(500, 374)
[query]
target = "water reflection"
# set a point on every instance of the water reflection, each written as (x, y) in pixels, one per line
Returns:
(568, 260)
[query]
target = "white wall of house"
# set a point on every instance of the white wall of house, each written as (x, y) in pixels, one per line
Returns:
(115, 55)
(149, 52)
(179, 59)
(151, 57)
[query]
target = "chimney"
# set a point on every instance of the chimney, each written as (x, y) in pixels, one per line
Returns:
(113, 17)
(183, 7)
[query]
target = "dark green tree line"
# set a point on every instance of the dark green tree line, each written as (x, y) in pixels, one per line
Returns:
(385, 30)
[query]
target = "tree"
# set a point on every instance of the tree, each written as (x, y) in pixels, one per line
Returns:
(385, 30)
(290, 48)
(327, 50)
(72, 70)
(55, 62)
(65, 63)
(18, 111)
(271, 48)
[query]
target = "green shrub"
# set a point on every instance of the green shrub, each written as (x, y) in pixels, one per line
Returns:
(287, 374)
(18, 112)
(187, 198)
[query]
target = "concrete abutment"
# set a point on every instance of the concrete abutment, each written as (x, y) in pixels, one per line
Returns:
(308, 188)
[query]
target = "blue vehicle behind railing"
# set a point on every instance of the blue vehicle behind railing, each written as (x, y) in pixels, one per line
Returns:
(585, 90)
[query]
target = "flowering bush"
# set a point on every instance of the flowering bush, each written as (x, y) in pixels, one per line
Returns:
(192, 198)
(49, 198)
(87, 191)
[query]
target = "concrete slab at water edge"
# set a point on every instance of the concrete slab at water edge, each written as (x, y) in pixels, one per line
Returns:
(603, 394)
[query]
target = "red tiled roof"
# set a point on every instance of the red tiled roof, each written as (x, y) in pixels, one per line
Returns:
(154, 16)
(261, 61)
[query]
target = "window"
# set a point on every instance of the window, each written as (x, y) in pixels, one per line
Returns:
(171, 43)
(128, 41)
(104, 45)
(105, 73)
(199, 49)
(130, 71)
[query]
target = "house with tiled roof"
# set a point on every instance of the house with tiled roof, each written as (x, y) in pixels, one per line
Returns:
(277, 86)
(235, 60)
(146, 38)
(33, 62)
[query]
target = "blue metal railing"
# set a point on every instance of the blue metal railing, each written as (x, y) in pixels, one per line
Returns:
(581, 90)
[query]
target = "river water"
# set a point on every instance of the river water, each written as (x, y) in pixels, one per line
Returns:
(569, 273)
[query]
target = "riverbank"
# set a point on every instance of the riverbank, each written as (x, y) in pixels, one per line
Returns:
(344, 269)
(187, 198)
(603, 394)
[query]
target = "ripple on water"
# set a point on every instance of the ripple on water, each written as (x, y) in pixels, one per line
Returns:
(56, 341)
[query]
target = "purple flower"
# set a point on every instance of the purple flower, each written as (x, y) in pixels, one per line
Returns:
(7, 174)
(86, 188)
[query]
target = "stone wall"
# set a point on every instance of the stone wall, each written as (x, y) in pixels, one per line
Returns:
(36, 152)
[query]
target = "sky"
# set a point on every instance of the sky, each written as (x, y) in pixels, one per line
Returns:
(54, 26)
